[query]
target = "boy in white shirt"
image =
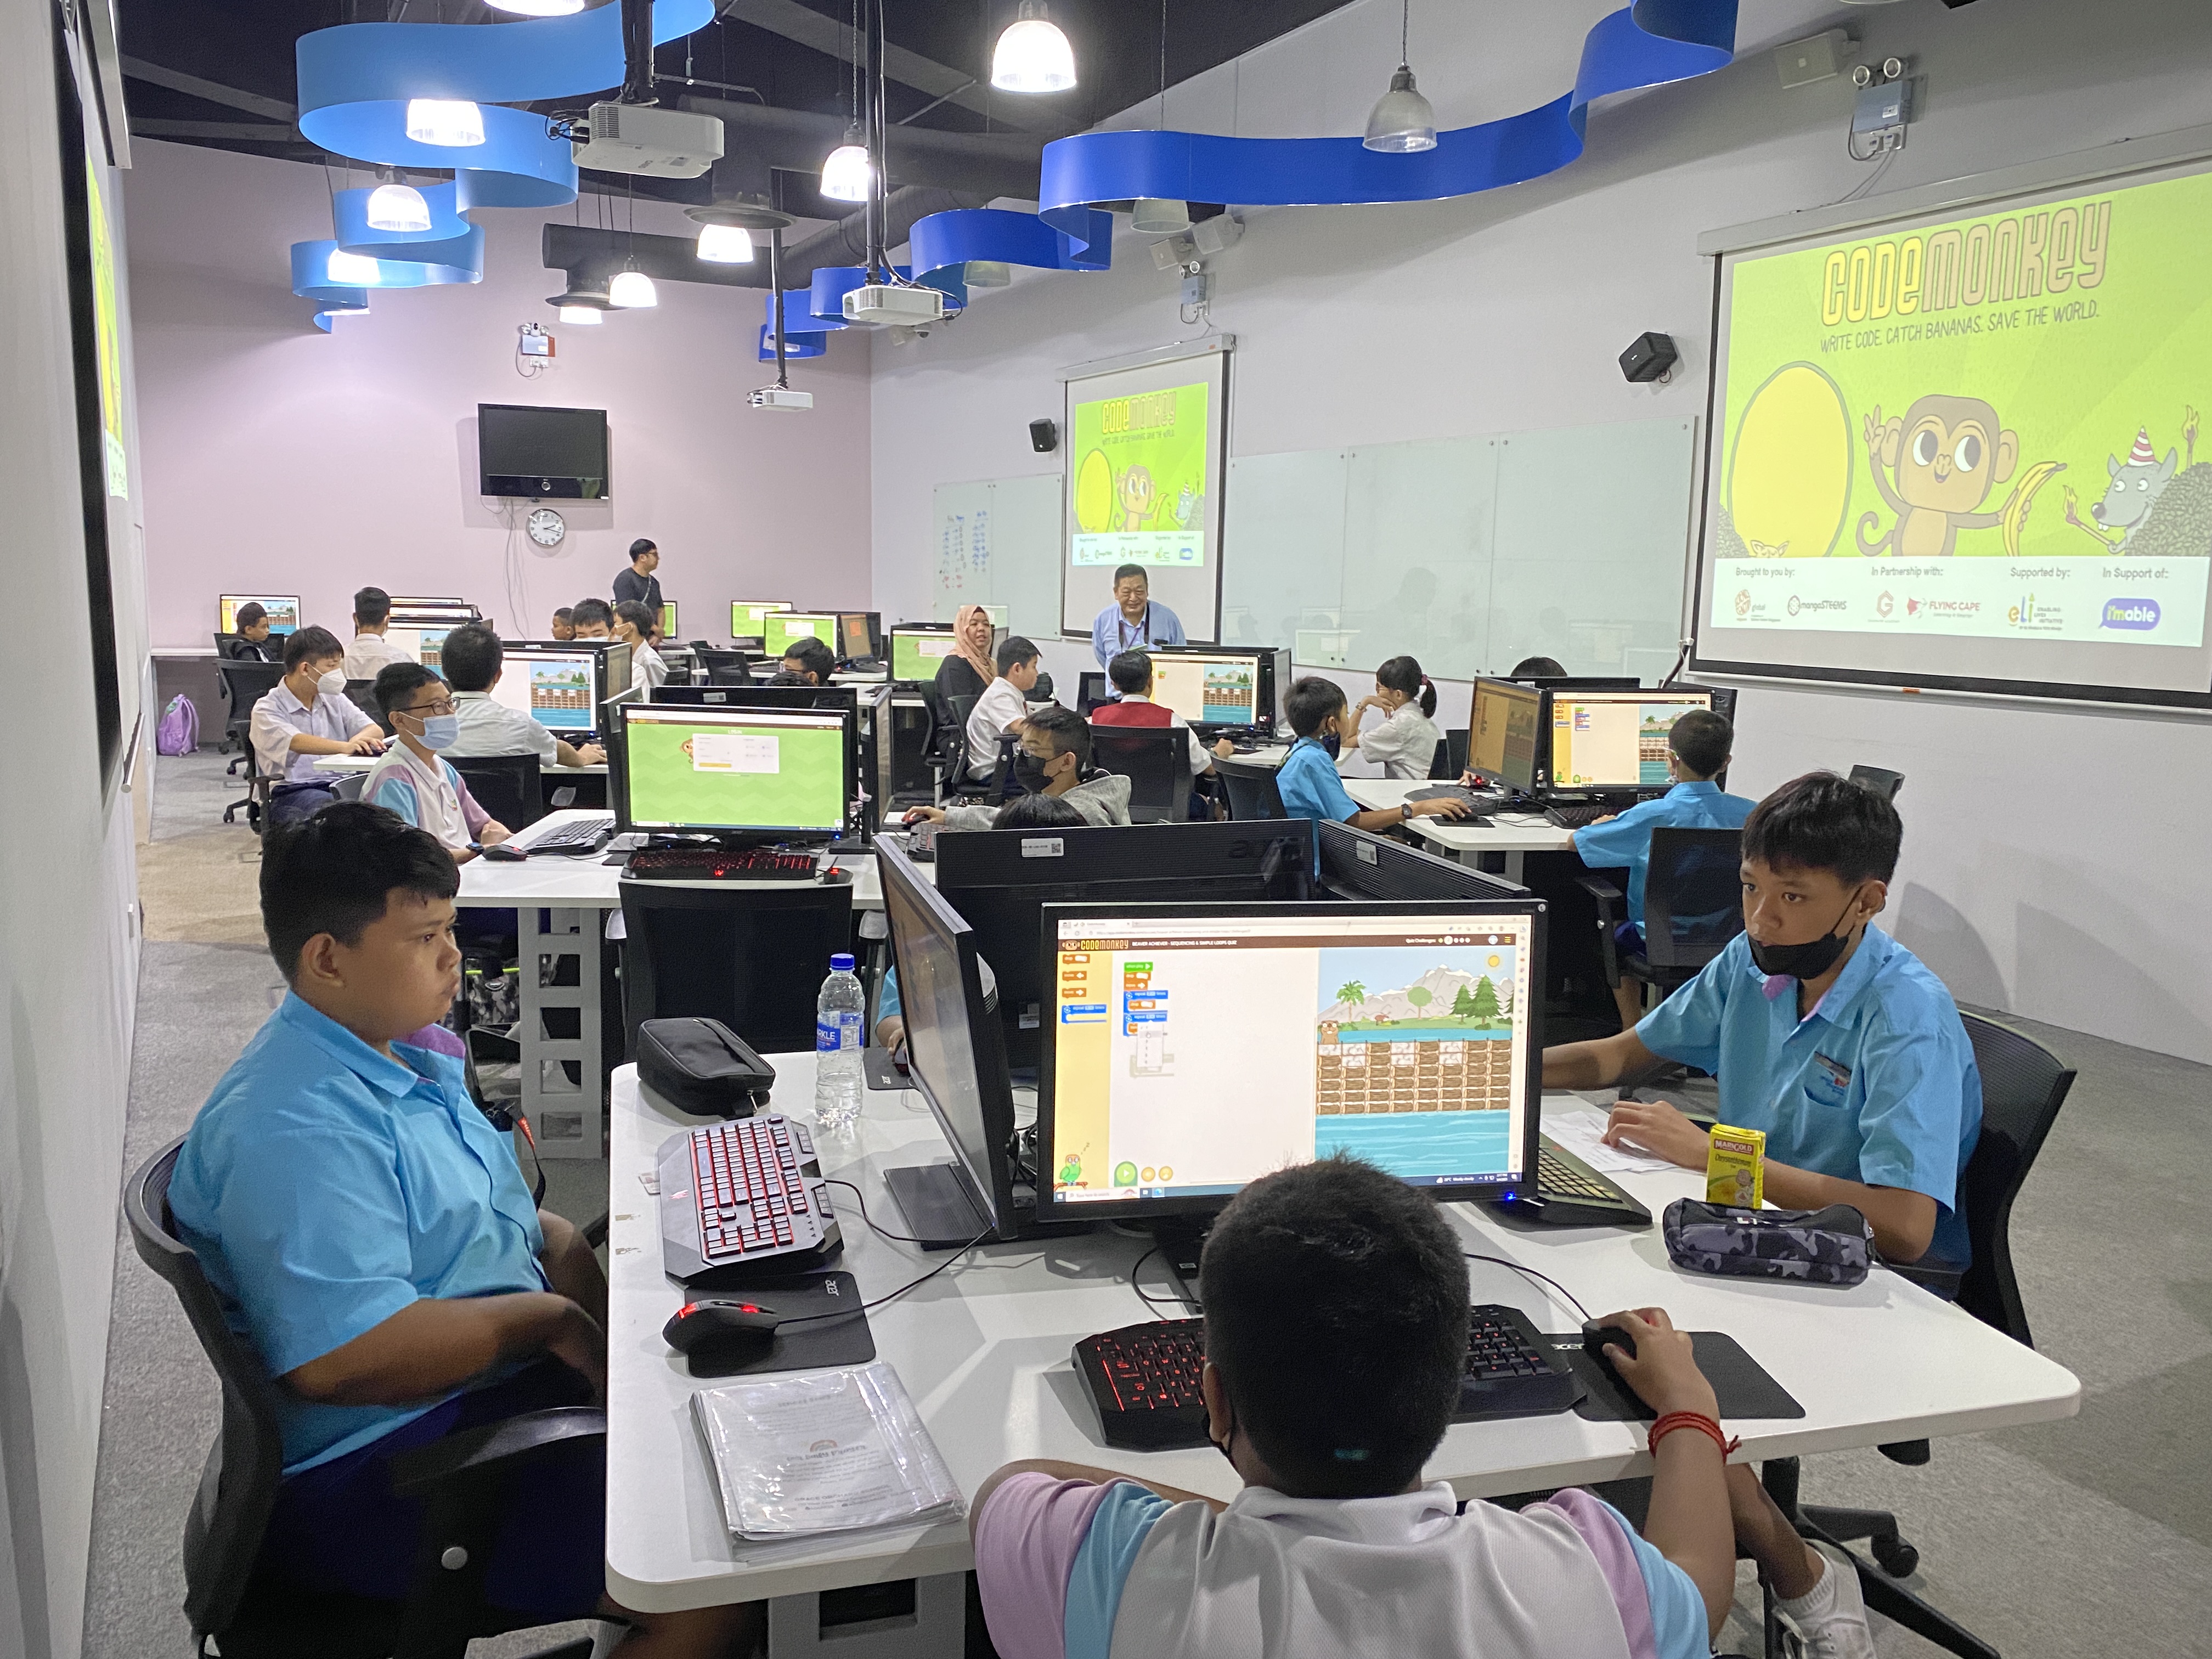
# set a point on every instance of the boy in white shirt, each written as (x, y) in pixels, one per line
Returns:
(471, 658)
(367, 657)
(633, 628)
(1002, 707)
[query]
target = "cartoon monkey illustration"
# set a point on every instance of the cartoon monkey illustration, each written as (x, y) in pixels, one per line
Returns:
(1946, 454)
(1137, 497)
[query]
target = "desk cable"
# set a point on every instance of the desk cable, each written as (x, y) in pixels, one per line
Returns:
(1153, 1303)
(1502, 1263)
(891, 1295)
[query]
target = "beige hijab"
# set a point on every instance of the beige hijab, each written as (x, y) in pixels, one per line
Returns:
(979, 661)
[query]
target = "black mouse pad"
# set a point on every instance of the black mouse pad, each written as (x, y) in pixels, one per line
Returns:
(1741, 1383)
(846, 1341)
(875, 1066)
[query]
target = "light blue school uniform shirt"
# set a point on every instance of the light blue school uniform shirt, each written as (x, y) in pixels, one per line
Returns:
(1627, 839)
(1311, 788)
(1876, 1084)
(327, 1188)
(1112, 633)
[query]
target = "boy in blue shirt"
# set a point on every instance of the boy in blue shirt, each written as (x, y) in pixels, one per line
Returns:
(1308, 780)
(371, 1237)
(1697, 753)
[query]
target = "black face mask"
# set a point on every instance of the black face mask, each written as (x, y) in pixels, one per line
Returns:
(1334, 744)
(1029, 772)
(1803, 962)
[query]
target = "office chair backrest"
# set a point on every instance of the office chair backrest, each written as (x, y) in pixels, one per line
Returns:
(1090, 692)
(507, 784)
(2023, 1086)
(1878, 779)
(954, 735)
(245, 684)
(1156, 759)
(724, 667)
(346, 785)
(1693, 896)
(752, 957)
(1252, 790)
(237, 1487)
(1440, 766)
(1455, 740)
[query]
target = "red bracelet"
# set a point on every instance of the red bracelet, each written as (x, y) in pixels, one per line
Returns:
(1697, 1420)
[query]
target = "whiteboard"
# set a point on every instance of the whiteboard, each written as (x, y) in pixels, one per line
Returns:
(996, 542)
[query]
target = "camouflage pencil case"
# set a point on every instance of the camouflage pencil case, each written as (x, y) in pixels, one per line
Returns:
(1834, 1246)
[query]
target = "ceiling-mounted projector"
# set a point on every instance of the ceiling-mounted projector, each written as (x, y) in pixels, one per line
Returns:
(881, 305)
(660, 143)
(781, 398)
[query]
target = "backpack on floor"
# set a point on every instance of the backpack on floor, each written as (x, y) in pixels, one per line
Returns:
(178, 733)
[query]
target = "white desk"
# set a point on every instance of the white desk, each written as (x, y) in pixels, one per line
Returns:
(983, 1350)
(1510, 833)
(343, 763)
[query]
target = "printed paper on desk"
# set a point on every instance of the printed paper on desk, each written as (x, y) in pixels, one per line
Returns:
(734, 751)
(1582, 1133)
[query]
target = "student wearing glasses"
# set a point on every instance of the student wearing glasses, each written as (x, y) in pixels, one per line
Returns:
(413, 779)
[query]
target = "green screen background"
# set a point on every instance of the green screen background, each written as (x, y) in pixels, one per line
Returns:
(747, 619)
(808, 792)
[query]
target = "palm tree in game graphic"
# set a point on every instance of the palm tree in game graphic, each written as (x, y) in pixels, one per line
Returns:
(1352, 991)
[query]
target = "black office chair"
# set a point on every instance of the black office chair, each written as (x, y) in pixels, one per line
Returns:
(1455, 742)
(1251, 788)
(1878, 781)
(361, 694)
(1440, 766)
(952, 735)
(244, 685)
(511, 788)
(1156, 759)
(1693, 906)
(751, 956)
(1090, 690)
(2023, 1086)
(723, 667)
(248, 1611)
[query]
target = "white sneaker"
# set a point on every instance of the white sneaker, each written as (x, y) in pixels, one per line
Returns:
(1830, 1618)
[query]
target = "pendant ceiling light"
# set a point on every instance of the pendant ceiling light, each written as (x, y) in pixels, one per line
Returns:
(1033, 55)
(537, 8)
(397, 207)
(846, 175)
(1402, 121)
(353, 270)
(987, 273)
(725, 245)
(586, 307)
(452, 123)
(581, 316)
(632, 291)
(1158, 216)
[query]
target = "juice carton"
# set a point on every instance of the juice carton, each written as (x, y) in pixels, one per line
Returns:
(1735, 1167)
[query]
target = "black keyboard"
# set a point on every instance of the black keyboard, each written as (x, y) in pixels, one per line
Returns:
(584, 835)
(744, 1200)
(1144, 1378)
(1570, 1193)
(719, 863)
(1479, 801)
(1576, 817)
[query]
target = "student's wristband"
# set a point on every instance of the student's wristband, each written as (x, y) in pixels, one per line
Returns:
(1697, 1420)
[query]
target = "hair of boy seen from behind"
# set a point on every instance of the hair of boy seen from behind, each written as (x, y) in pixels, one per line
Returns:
(250, 614)
(1132, 674)
(334, 873)
(310, 645)
(593, 613)
(1336, 1311)
(1823, 822)
(1311, 700)
(1038, 812)
(565, 614)
(638, 614)
(471, 657)
(1067, 732)
(1013, 652)
(810, 654)
(1404, 674)
(371, 605)
(1539, 668)
(1701, 740)
(396, 682)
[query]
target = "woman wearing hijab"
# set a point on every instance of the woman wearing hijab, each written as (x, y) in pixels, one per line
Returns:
(968, 672)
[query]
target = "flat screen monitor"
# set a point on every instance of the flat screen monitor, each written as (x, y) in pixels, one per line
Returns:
(403, 601)
(1194, 1047)
(424, 645)
(1616, 739)
(955, 1059)
(541, 453)
(1214, 688)
(748, 618)
(737, 770)
(859, 634)
(1355, 865)
(668, 619)
(778, 628)
(917, 653)
(283, 610)
(839, 697)
(556, 685)
(1505, 733)
(1576, 681)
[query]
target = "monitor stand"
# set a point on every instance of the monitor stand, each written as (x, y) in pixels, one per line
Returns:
(940, 1213)
(1182, 1240)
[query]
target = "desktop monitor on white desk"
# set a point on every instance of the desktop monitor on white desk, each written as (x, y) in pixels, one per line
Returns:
(1615, 742)
(1505, 734)
(781, 629)
(919, 650)
(558, 686)
(282, 610)
(751, 774)
(1218, 690)
(748, 618)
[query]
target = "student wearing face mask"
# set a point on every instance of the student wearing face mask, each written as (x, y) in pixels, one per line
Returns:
(413, 780)
(307, 714)
(1053, 759)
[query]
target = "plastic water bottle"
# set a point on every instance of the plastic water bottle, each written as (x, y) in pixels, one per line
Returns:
(839, 1020)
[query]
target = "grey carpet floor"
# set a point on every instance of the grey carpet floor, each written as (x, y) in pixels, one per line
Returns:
(2067, 1541)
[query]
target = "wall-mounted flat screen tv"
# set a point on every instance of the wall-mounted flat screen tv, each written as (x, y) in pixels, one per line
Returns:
(523, 450)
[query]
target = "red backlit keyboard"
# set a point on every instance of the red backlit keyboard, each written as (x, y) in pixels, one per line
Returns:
(744, 1200)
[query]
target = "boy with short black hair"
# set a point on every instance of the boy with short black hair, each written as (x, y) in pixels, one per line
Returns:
(1053, 759)
(1003, 706)
(809, 659)
(414, 780)
(473, 660)
(564, 623)
(592, 619)
(634, 627)
(251, 642)
(304, 715)
(1131, 676)
(1308, 780)
(369, 1235)
(372, 614)
(1335, 1546)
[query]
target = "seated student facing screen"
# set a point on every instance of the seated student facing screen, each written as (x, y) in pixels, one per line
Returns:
(591, 619)
(251, 643)
(371, 614)
(633, 626)
(414, 780)
(1000, 708)
(564, 624)
(806, 661)
(369, 1235)
(1053, 757)
(473, 661)
(1307, 779)
(304, 715)
(1132, 675)
(1697, 753)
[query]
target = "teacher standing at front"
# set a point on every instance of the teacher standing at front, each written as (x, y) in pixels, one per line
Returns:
(1132, 622)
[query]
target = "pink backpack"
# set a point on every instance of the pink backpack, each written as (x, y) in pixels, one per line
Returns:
(178, 733)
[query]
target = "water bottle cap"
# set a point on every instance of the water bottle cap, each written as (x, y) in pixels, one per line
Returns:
(840, 963)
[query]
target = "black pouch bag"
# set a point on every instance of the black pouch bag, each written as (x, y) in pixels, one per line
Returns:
(701, 1066)
(1834, 1246)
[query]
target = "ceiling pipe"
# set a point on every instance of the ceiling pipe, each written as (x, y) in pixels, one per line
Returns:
(637, 53)
(992, 164)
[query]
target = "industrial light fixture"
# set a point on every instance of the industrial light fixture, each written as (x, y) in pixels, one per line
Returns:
(398, 207)
(450, 122)
(987, 273)
(352, 270)
(631, 289)
(537, 8)
(581, 316)
(1402, 121)
(725, 245)
(847, 176)
(1033, 55)
(1157, 217)
(585, 308)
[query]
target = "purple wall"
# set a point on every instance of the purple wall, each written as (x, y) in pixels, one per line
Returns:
(280, 459)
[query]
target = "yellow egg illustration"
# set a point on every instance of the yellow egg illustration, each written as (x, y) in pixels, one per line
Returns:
(1094, 492)
(1790, 467)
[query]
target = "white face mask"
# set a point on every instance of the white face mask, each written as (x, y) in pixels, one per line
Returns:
(333, 680)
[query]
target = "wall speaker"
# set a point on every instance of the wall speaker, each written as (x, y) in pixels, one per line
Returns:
(1044, 436)
(1650, 357)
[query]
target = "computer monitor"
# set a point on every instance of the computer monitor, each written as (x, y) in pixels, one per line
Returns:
(1226, 690)
(781, 627)
(999, 880)
(1616, 740)
(405, 601)
(746, 616)
(439, 614)
(668, 619)
(752, 772)
(956, 1061)
(842, 697)
(558, 685)
(918, 650)
(423, 645)
(615, 739)
(1355, 865)
(283, 610)
(859, 634)
(1576, 682)
(1505, 740)
(1195, 1048)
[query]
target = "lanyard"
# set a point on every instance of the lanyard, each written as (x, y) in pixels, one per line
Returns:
(1121, 628)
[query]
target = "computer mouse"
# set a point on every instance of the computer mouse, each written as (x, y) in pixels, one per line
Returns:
(721, 1321)
(900, 1063)
(503, 854)
(1596, 1336)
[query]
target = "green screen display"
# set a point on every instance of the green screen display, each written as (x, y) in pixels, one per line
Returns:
(782, 626)
(668, 618)
(721, 771)
(915, 656)
(746, 616)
